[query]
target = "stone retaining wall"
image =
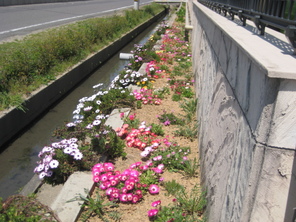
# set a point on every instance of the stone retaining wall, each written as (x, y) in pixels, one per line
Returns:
(246, 87)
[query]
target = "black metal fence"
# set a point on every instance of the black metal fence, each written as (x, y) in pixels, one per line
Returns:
(277, 14)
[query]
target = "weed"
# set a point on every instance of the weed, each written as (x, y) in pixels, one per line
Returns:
(172, 187)
(191, 168)
(95, 206)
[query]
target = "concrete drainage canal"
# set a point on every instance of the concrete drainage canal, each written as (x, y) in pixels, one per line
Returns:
(19, 158)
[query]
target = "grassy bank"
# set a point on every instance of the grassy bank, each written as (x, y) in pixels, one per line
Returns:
(40, 58)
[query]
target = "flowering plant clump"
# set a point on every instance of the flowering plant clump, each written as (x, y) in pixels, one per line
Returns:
(147, 96)
(173, 157)
(170, 119)
(139, 138)
(128, 186)
(128, 77)
(61, 159)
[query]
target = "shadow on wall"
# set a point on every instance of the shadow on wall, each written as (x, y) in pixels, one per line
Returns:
(290, 215)
(285, 47)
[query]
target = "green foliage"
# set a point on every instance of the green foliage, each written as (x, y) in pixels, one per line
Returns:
(96, 207)
(176, 97)
(132, 122)
(109, 144)
(187, 206)
(190, 128)
(172, 187)
(188, 131)
(69, 165)
(104, 141)
(173, 157)
(18, 208)
(157, 129)
(191, 168)
(193, 202)
(162, 92)
(189, 107)
(181, 13)
(147, 178)
(170, 119)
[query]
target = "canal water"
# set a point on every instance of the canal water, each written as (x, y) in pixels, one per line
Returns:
(18, 160)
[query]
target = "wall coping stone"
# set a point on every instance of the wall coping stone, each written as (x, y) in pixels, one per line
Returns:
(272, 52)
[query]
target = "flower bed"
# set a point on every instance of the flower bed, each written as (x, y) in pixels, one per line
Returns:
(152, 171)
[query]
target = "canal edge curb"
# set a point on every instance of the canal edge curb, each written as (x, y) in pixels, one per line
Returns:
(14, 121)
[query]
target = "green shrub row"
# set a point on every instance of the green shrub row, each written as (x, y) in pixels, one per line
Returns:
(39, 58)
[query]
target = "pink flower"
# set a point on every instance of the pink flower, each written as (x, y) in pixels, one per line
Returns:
(96, 179)
(129, 196)
(153, 189)
(123, 197)
(124, 190)
(156, 203)
(185, 158)
(160, 166)
(109, 166)
(104, 177)
(135, 199)
(121, 115)
(152, 212)
(157, 170)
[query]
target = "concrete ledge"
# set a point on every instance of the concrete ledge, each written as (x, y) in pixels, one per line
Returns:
(14, 120)
(272, 52)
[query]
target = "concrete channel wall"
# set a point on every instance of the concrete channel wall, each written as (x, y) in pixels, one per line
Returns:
(13, 121)
(246, 88)
(27, 2)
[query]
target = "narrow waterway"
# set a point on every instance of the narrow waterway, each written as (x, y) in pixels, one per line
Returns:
(18, 160)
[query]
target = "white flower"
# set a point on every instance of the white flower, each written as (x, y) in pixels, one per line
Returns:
(70, 124)
(47, 149)
(88, 108)
(54, 164)
(98, 85)
(89, 126)
(42, 175)
(100, 116)
(145, 153)
(96, 122)
(68, 150)
(73, 145)
(78, 156)
(76, 111)
(39, 168)
(98, 102)
(82, 100)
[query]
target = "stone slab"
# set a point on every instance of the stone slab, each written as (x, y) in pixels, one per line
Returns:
(114, 120)
(75, 185)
